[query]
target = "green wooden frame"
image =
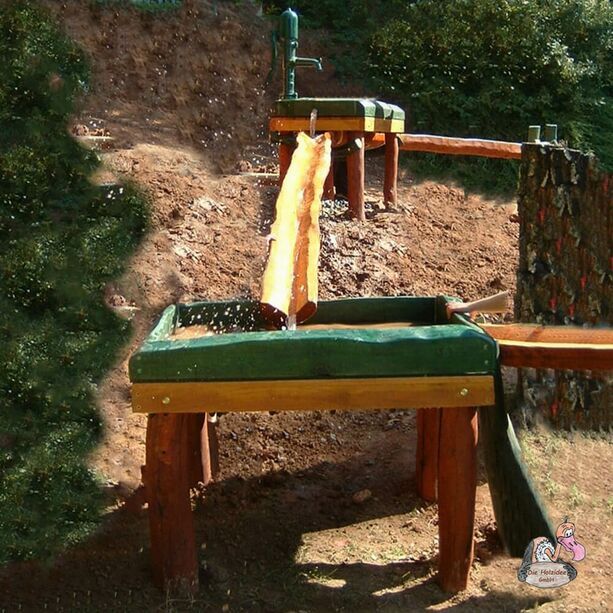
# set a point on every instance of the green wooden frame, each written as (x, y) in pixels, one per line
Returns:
(437, 348)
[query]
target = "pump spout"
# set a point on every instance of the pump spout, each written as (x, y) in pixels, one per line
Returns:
(309, 61)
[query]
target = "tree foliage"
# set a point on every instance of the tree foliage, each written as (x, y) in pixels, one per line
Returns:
(61, 240)
(492, 67)
(486, 68)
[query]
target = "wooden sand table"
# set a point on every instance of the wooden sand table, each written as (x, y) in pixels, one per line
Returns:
(354, 354)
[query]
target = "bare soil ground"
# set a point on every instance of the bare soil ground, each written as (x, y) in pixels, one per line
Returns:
(312, 511)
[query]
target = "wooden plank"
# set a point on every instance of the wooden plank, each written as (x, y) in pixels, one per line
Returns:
(324, 124)
(390, 182)
(534, 333)
(213, 446)
(395, 126)
(460, 146)
(426, 456)
(167, 474)
(289, 285)
(285, 159)
(556, 356)
(198, 460)
(427, 143)
(355, 178)
(306, 395)
(329, 189)
(457, 483)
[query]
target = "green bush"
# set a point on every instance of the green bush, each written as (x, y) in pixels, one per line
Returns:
(61, 240)
(350, 24)
(490, 68)
(483, 68)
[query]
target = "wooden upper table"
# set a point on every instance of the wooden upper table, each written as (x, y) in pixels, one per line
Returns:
(353, 122)
(436, 362)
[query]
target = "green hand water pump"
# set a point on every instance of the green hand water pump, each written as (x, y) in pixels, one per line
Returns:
(288, 37)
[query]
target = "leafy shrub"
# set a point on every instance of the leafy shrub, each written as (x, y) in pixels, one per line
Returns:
(486, 68)
(350, 23)
(61, 240)
(492, 67)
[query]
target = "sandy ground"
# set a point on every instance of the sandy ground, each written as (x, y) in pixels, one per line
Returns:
(312, 511)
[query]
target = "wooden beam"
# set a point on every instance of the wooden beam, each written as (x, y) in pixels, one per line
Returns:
(557, 356)
(426, 456)
(428, 143)
(336, 124)
(457, 483)
(314, 394)
(212, 445)
(198, 459)
(557, 347)
(329, 189)
(289, 285)
(167, 475)
(460, 146)
(533, 333)
(355, 178)
(285, 159)
(390, 182)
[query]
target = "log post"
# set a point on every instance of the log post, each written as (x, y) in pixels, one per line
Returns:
(390, 184)
(426, 461)
(213, 445)
(329, 190)
(285, 158)
(457, 483)
(207, 461)
(173, 546)
(197, 457)
(355, 177)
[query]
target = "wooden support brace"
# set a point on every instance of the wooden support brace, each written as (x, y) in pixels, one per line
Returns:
(460, 146)
(285, 159)
(558, 347)
(168, 473)
(210, 449)
(197, 456)
(426, 462)
(355, 178)
(329, 190)
(390, 184)
(457, 483)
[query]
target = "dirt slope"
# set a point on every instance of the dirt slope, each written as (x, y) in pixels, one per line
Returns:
(183, 97)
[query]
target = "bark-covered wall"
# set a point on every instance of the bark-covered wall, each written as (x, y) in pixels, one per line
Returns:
(565, 275)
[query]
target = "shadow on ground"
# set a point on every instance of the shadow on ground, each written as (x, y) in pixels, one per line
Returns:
(279, 542)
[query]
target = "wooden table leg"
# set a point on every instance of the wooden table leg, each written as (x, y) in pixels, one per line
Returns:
(285, 159)
(355, 177)
(197, 457)
(213, 444)
(329, 191)
(173, 546)
(426, 460)
(457, 482)
(390, 183)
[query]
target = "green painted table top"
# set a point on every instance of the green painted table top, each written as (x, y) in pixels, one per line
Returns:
(338, 107)
(431, 347)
